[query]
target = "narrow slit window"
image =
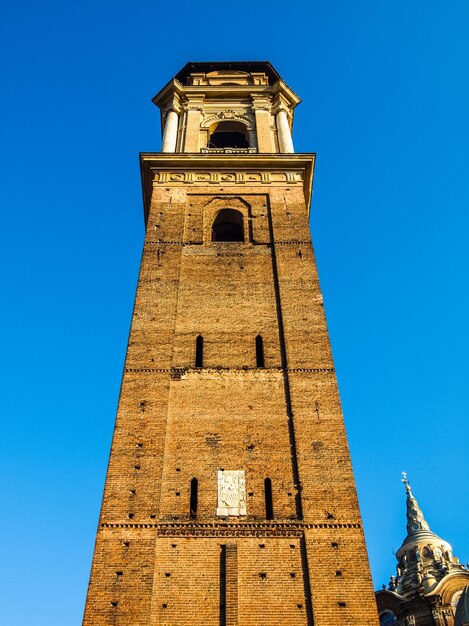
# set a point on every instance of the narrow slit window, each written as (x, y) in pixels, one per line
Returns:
(269, 505)
(222, 585)
(260, 361)
(199, 351)
(193, 502)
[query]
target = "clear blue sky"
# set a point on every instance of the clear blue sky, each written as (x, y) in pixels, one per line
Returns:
(385, 106)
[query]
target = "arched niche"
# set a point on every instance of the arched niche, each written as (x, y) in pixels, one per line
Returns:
(228, 226)
(387, 618)
(227, 209)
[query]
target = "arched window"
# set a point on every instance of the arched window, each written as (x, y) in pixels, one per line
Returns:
(259, 352)
(228, 135)
(193, 502)
(269, 505)
(228, 226)
(387, 618)
(199, 351)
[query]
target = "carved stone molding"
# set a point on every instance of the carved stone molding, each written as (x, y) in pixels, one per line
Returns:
(231, 493)
(228, 150)
(239, 531)
(178, 373)
(227, 115)
(192, 106)
(230, 529)
(227, 178)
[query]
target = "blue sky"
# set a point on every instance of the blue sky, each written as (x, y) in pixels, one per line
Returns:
(385, 107)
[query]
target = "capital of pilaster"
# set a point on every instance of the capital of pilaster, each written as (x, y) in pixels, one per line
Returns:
(193, 107)
(261, 105)
(194, 104)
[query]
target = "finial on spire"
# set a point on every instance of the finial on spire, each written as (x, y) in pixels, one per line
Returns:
(406, 483)
(415, 519)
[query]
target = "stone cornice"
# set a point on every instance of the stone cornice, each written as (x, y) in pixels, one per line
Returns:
(178, 372)
(231, 529)
(452, 581)
(151, 162)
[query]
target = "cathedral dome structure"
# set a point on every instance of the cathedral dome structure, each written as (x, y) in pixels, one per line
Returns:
(429, 578)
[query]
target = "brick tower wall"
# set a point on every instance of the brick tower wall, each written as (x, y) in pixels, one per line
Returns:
(154, 563)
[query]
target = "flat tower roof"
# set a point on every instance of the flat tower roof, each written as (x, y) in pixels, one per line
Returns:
(239, 66)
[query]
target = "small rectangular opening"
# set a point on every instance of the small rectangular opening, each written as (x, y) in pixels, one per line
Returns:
(199, 351)
(223, 585)
(260, 361)
(193, 501)
(269, 505)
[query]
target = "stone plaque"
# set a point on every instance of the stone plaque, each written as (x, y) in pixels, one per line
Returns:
(231, 493)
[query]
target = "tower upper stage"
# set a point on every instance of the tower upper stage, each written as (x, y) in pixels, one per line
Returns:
(227, 107)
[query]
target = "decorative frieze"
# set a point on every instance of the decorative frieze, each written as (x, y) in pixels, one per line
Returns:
(230, 529)
(227, 178)
(230, 115)
(178, 373)
(228, 150)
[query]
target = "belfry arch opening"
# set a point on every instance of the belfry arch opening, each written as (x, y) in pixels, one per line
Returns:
(228, 226)
(228, 135)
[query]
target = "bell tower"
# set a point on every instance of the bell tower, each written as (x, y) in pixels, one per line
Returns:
(229, 498)
(228, 107)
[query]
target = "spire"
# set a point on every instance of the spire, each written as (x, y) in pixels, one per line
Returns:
(415, 519)
(424, 559)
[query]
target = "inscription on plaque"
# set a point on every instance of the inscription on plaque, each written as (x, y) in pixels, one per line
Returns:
(231, 493)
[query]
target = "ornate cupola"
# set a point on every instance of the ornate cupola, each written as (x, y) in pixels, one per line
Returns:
(423, 558)
(230, 107)
(429, 579)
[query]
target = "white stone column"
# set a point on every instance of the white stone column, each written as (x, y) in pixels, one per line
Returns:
(170, 132)
(283, 132)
